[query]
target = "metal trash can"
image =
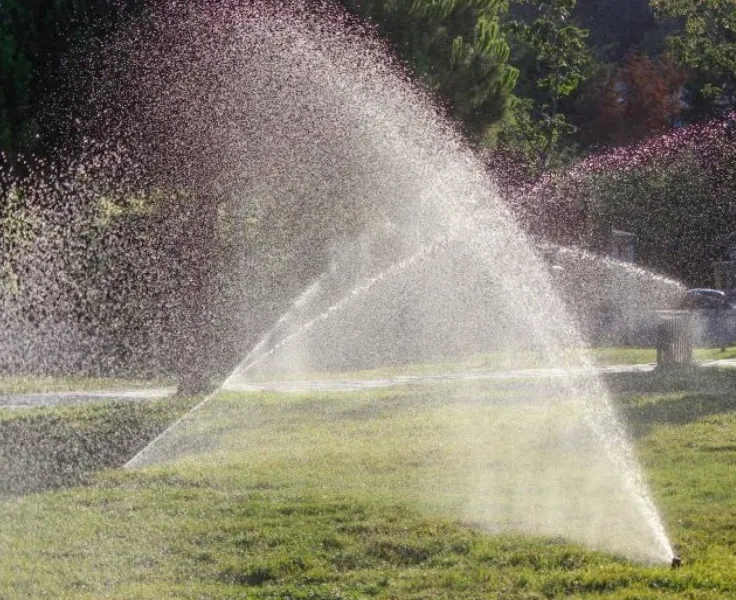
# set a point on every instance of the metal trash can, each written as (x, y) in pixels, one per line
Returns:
(674, 338)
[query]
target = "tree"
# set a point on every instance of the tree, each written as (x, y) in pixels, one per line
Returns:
(15, 79)
(676, 209)
(553, 58)
(617, 26)
(35, 36)
(706, 44)
(638, 100)
(456, 48)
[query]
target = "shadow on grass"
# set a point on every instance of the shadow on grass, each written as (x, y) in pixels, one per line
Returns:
(672, 398)
(60, 447)
(52, 448)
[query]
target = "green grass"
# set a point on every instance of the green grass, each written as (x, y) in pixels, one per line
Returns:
(342, 496)
(507, 360)
(42, 448)
(714, 353)
(490, 361)
(627, 356)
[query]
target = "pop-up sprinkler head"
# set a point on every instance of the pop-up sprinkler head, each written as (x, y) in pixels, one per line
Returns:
(676, 562)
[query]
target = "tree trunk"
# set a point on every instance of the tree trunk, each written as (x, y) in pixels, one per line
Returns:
(195, 343)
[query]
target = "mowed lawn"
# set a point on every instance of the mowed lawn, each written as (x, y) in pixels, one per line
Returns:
(509, 360)
(371, 495)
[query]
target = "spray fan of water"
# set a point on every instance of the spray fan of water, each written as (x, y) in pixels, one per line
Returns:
(297, 122)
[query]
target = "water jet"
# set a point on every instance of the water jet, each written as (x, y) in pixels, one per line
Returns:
(335, 176)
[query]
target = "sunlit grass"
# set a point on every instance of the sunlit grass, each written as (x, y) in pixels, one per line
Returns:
(491, 361)
(321, 496)
(501, 361)
(714, 353)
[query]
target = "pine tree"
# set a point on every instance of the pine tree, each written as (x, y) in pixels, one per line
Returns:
(456, 48)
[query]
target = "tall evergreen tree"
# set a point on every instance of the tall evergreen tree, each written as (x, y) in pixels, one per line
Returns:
(456, 47)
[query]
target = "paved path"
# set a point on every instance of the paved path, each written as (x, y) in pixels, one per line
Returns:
(337, 385)
(325, 385)
(67, 398)
(720, 362)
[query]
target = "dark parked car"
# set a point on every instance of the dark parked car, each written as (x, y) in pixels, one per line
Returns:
(705, 298)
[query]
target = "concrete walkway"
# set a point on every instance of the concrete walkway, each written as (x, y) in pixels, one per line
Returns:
(68, 398)
(345, 385)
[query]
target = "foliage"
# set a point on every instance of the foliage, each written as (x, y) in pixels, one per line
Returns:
(94, 286)
(707, 44)
(15, 76)
(618, 27)
(637, 100)
(674, 210)
(553, 58)
(35, 35)
(457, 48)
(675, 191)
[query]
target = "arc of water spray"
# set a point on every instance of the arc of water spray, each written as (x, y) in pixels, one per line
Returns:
(600, 418)
(252, 359)
(360, 289)
(257, 350)
(619, 451)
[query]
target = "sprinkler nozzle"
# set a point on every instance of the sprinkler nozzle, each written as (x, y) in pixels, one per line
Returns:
(676, 562)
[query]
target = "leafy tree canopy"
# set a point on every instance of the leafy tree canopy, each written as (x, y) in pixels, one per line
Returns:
(706, 44)
(34, 37)
(456, 47)
(554, 59)
(637, 100)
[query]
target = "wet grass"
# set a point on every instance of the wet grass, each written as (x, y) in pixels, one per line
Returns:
(487, 361)
(287, 524)
(632, 356)
(505, 360)
(700, 354)
(51, 447)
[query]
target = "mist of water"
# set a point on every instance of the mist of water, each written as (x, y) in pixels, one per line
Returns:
(329, 166)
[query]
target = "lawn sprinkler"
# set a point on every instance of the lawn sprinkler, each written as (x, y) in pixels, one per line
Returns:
(676, 562)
